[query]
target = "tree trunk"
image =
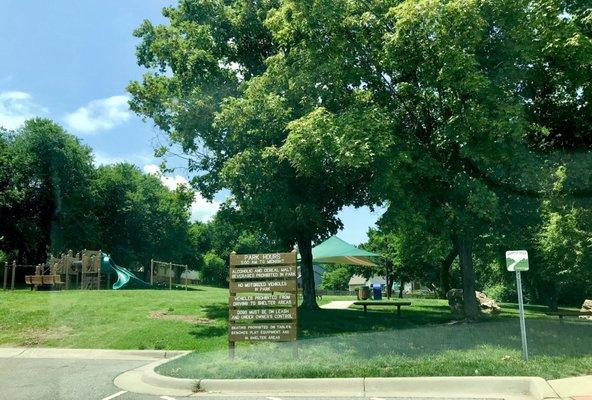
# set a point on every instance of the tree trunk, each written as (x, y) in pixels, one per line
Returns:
(553, 296)
(465, 252)
(309, 297)
(445, 271)
(401, 289)
(389, 280)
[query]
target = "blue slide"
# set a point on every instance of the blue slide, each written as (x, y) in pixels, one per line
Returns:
(125, 278)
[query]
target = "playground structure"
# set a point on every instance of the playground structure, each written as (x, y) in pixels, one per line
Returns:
(89, 269)
(163, 272)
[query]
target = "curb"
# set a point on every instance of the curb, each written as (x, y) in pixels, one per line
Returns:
(90, 354)
(150, 377)
(145, 380)
(478, 386)
(452, 387)
(349, 387)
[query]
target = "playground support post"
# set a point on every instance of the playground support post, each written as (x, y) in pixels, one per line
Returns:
(170, 276)
(98, 269)
(13, 275)
(152, 271)
(5, 275)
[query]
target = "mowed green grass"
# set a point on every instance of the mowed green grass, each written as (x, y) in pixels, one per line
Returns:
(332, 343)
(114, 319)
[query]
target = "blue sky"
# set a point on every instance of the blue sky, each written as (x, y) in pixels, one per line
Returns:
(71, 61)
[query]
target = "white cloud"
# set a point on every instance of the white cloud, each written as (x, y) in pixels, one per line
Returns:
(16, 107)
(201, 208)
(101, 158)
(104, 159)
(98, 115)
(152, 169)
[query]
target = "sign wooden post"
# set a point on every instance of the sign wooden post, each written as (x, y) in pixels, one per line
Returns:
(263, 299)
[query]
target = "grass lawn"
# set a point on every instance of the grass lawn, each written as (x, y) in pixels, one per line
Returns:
(115, 319)
(332, 343)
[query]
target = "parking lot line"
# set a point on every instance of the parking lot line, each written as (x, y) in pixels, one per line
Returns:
(114, 395)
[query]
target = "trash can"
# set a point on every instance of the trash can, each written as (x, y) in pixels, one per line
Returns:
(364, 293)
(377, 292)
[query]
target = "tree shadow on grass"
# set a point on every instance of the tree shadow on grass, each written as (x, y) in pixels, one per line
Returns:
(426, 330)
(419, 331)
(209, 331)
(328, 322)
(444, 349)
(545, 337)
(216, 311)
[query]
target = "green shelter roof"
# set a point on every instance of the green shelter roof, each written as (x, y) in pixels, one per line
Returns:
(337, 251)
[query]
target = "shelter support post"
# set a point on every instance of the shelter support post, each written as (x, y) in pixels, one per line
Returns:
(99, 270)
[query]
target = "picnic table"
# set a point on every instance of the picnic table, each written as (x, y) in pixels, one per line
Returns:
(569, 313)
(397, 304)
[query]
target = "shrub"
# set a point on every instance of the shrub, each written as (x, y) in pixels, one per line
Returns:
(502, 293)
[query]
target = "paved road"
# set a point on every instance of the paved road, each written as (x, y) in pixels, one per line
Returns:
(53, 379)
(67, 379)
(79, 379)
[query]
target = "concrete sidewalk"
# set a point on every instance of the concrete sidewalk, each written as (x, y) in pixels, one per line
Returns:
(88, 354)
(337, 305)
(579, 387)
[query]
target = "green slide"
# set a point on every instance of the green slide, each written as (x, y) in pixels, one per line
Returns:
(125, 278)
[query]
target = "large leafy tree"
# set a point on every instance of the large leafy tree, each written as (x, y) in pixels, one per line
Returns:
(461, 89)
(419, 251)
(337, 278)
(8, 194)
(226, 232)
(439, 107)
(432, 108)
(138, 218)
(220, 89)
(48, 202)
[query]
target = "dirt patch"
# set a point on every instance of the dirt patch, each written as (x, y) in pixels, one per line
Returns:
(37, 336)
(192, 319)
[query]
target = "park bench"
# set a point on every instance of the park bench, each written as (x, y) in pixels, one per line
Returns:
(397, 304)
(569, 313)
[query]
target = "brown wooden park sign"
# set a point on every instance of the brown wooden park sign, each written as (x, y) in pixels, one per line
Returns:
(263, 298)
